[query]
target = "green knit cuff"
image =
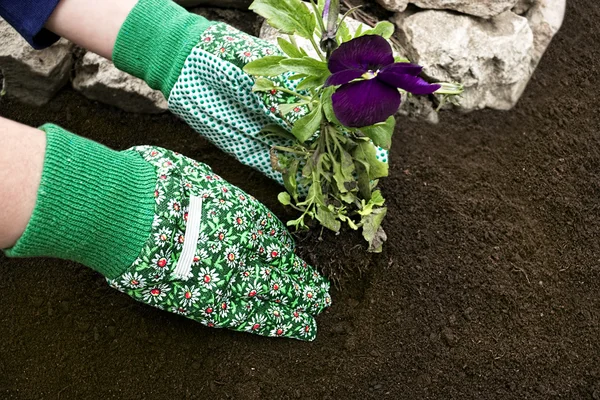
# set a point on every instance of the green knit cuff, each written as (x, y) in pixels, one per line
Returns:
(155, 40)
(94, 205)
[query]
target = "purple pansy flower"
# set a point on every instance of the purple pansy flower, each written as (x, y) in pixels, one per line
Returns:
(375, 97)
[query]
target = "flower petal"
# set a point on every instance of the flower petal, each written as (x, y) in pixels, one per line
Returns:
(342, 77)
(412, 84)
(365, 103)
(403, 68)
(370, 52)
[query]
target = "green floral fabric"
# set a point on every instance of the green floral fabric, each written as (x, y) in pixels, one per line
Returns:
(214, 96)
(243, 274)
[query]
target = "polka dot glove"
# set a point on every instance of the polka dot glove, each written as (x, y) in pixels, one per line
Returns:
(218, 256)
(214, 96)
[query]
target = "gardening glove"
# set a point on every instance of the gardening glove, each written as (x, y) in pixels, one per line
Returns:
(197, 64)
(169, 232)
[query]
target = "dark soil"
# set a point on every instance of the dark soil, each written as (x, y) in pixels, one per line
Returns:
(488, 287)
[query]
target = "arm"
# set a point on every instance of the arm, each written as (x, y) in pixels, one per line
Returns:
(93, 25)
(22, 151)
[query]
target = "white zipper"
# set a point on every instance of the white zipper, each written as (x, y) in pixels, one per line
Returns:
(183, 270)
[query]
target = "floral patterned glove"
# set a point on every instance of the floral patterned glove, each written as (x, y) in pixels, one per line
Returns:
(218, 256)
(198, 65)
(214, 96)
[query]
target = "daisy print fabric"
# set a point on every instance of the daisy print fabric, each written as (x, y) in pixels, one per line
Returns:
(218, 256)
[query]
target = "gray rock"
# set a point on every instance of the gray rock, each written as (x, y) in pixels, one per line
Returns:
(98, 79)
(394, 5)
(479, 8)
(545, 19)
(523, 6)
(33, 76)
(491, 58)
(241, 4)
(419, 108)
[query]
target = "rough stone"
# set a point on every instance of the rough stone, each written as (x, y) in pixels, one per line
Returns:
(240, 4)
(98, 79)
(394, 5)
(523, 6)
(491, 58)
(419, 108)
(479, 8)
(33, 76)
(545, 19)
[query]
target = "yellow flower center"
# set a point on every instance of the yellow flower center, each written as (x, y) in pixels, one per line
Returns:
(370, 74)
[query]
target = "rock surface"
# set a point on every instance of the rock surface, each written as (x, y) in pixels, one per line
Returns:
(33, 76)
(523, 6)
(545, 19)
(479, 8)
(394, 5)
(492, 58)
(419, 108)
(98, 79)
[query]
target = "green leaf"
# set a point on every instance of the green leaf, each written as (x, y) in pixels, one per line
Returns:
(298, 223)
(327, 219)
(381, 134)
(306, 65)
(275, 129)
(284, 198)
(287, 16)
(309, 166)
(306, 126)
(328, 105)
(311, 82)
(372, 230)
(376, 200)
(287, 108)
(383, 28)
(289, 178)
(364, 183)
(324, 167)
(296, 77)
(366, 152)
(263, 85)
(399, 59)
(290, 49)
(358, 32)
(343, 33)
(368, 167)
(315, 195)
(321, 6)
(343, 171)
(266, 66)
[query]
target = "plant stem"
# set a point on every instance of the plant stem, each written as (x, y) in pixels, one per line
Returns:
(290, 150)
(292, 40)
(317, 16)
(316, 47)
(285, 90)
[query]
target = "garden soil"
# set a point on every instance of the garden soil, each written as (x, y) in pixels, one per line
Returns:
(488, 286)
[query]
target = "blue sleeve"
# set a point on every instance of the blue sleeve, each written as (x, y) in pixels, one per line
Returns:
(28, 17)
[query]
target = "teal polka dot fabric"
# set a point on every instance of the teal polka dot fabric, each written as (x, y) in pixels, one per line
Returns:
(214, 96)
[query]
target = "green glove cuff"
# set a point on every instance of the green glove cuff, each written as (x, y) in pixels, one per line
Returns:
(155, 40)
(94, 205)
